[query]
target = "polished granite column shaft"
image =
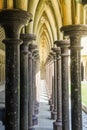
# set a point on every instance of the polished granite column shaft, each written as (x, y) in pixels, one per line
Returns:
(30, 127)
(30, 99)
(52, 105)
(51, 82)
(54, 112)
(35, 54)
(75, 32)
(64, 44)
(36, 104)
(57, 125)
(34, 117)
(33, 80)
(11, 21)
(24, 84)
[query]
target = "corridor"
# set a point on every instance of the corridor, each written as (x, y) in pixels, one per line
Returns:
(44, 119)
(43, 39)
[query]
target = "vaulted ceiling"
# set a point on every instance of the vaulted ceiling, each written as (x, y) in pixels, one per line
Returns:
(48, 17)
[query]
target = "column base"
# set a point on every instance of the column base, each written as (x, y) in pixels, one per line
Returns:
(31, 128)
(50, 101)
(2, 114)
(37, 104)
(51, 107)
(34, 120)
(53, 115)
(36, 110)
(57, 125)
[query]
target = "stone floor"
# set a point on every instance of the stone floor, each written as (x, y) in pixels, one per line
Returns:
(44, 121)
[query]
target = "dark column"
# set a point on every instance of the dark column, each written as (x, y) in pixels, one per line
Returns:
(24, 84)
(11, 21)
(35, 54)
(57, 125)
(51, 61)
(50, 94)
(36, 104)
(52, 97)
(47, 79)
(75, 32)
(30, 127)
(54, 112)
(30, 91)
(34, 117)
(64, 44)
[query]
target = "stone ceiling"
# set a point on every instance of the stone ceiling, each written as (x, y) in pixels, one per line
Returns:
(48, 17)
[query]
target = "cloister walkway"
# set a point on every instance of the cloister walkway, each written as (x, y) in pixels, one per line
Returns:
(44, 121)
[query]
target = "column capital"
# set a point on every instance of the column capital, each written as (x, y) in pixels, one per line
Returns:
(27, 38)
(56, 49)
(35, 51)
(32, 47)
(62, 43)
(12, 20)
(48, 58)
(74, 30)
(35, 54)
(51, 53)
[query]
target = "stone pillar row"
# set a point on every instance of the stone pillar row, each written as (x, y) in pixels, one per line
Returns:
(62, 121)
(19, 74)
(75, 32)
(49, 76)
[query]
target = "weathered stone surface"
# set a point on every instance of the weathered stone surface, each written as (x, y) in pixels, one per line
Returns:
(64, 44)
(56, 124)
(75, 32)
(24, 84)
(11, 21)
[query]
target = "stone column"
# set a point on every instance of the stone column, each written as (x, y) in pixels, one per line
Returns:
(49, 87)
(34, 117)
(52, 106)
(54, 112)
(47, 79)
(36, 110)
(11, 21)
(30, 99)
(51, 82)
(64, 44)
(24, 83)
(35, 54)
(75, 32)
(37, 82)
(57, 125)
